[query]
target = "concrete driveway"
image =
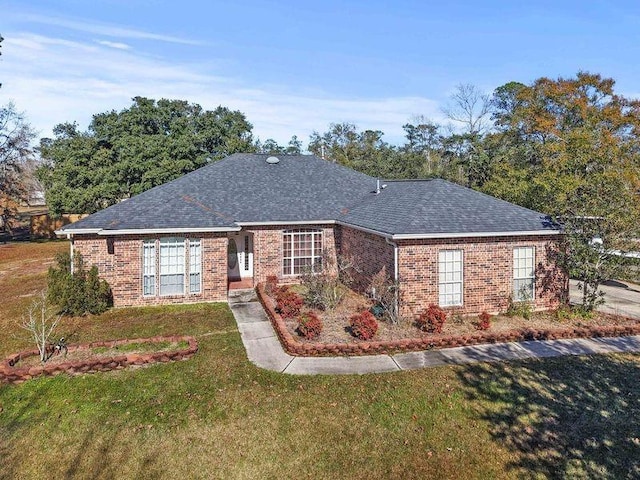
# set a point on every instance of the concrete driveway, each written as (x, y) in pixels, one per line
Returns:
(622, 298)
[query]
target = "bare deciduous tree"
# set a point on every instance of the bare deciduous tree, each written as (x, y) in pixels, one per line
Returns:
(470, 107)
(41, 322)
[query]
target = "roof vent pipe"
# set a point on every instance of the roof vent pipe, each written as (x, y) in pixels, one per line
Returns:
(377, 186)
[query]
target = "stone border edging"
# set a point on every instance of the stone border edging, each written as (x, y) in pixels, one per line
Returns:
(11, 374)
(296, 348)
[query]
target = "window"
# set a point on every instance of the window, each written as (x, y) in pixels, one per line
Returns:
(149, 267)
(195, 266)
(301, 248)
(450, 277)
(524, 277)
(164, 266)
(171, 266)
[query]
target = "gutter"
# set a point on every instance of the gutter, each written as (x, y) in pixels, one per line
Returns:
(417, 236)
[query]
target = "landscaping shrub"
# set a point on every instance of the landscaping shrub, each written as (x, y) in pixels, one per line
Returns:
(519, 309)
(288, 303)
(80, 292)
(323, 289)
(271, 285)
(484, 322)
(364, 325)
(309, 325)
(432, 319)
(385, 292)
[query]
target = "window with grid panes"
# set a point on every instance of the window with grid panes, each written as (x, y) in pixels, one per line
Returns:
(172, 266)
(301, 249)
(149, 267)
(450, 278)
(195, 266)
(524, 277)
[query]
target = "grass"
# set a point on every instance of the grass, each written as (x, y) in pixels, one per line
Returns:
(218, 416)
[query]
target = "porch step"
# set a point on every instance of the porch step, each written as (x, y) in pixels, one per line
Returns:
(244, 295)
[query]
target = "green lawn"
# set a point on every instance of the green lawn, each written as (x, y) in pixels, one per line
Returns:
(218, 416)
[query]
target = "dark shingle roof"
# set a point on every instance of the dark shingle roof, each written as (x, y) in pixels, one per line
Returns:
(434, 207)
(240, 188)
(244, 188)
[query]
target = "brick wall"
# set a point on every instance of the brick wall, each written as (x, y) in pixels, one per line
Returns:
(267, 249)
(122, 269)
(487, 264)
(487, 273)
(369, 253)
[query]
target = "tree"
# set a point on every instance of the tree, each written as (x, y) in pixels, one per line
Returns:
(423, 148)
(570, 147)
(271, 147)
(15, 153)
(364, 151)
(469, 107)
(125, 153)
(40, 322)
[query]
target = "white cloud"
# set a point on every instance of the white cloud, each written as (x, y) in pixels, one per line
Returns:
(118, 45)
(102, 29)
(56, 80)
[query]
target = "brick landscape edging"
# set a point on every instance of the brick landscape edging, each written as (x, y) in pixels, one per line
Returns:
(296, 348)
(11, 374)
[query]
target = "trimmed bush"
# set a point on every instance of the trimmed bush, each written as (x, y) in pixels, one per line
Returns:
(80, 292)
(484, 322)
(271, 285)
(288, 303)
(432, 319)
(309, 325)
(363, 325)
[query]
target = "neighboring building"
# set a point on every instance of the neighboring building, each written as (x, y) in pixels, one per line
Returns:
(234, 222)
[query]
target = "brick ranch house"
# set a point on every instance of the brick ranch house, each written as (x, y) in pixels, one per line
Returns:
(234, 222)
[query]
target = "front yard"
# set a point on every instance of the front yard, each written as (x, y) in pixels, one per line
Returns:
(217, 416)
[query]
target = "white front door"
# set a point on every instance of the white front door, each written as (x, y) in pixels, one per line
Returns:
(240, 253)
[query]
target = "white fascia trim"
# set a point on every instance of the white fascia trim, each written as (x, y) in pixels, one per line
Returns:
(80, 231)
(294, 222)
(474, 234)
(151, 231)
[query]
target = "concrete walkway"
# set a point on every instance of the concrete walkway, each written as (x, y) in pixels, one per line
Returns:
(264, 349)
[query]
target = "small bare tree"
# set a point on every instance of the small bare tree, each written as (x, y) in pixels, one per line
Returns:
(41, 322)
(385, 292)
(327, 286)
(470, 108)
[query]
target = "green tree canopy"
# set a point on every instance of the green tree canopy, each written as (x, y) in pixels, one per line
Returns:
(125, 153)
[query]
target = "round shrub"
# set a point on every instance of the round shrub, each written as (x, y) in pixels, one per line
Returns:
(363, 325)
(432, 319)
(309, 325)
(288, 303)
(484, 322)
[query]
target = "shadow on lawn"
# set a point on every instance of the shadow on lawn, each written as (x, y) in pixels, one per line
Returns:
(571, 417)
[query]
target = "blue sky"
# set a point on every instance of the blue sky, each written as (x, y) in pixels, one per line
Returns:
(294, 67)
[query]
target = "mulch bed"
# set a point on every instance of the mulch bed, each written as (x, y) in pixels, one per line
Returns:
(335, 338)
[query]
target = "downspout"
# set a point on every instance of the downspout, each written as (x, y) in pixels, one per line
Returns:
(70, 238)
(395, 273)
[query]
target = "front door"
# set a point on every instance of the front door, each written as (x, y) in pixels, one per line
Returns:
(240, 256)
